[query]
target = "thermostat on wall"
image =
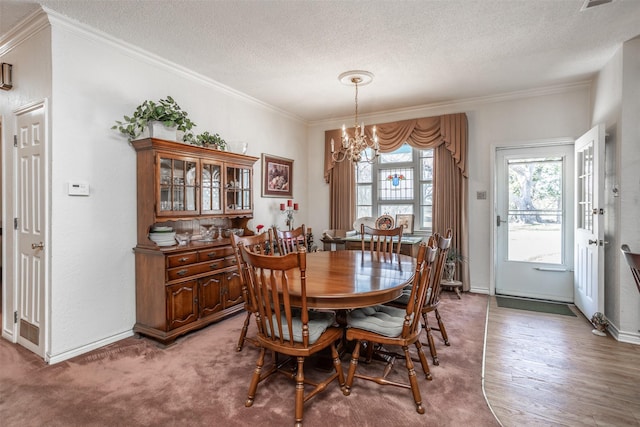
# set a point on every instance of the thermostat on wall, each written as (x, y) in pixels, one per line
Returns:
(78, 189)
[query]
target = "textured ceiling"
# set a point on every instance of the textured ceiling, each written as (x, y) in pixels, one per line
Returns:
(289, 53)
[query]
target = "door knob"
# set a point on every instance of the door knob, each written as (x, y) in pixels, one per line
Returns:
(37, 245)
(593, 242)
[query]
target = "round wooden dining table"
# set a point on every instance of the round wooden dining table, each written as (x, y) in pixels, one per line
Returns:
(353, 279)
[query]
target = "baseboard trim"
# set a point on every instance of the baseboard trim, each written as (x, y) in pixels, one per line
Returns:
(57, 358)
(623, 336)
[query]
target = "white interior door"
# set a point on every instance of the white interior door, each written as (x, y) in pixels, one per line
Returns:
(534, 219)
(589, 239)
(31, 247)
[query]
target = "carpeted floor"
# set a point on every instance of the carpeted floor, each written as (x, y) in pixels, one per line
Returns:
(202, 381)
(533, 305)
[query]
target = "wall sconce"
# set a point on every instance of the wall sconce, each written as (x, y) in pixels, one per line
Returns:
(5, 76)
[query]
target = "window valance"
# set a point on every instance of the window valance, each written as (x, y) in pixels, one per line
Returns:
(427, 132)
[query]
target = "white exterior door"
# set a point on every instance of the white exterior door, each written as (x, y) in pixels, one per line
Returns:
(534, 222)
(31, 248)
(589, 239)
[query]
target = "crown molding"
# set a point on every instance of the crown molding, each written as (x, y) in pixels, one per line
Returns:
(25, 29)
(465, 104)
(59, 21)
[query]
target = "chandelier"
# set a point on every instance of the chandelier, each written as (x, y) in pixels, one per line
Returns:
(355, 148)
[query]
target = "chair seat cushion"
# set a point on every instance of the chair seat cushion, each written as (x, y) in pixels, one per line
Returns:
(404, 298)
(319, 321)
(381, 319)
(406, 294)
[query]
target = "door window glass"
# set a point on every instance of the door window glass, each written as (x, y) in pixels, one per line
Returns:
(535, 210)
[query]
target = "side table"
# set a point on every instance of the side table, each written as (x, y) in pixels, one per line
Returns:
(454, 285)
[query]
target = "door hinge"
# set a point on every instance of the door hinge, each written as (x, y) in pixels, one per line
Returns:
(15, 223)
(15, 317)
(15, 140)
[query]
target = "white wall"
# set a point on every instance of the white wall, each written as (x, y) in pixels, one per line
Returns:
(617, 103)
(607, 103)
(498, 121)
(630, 187)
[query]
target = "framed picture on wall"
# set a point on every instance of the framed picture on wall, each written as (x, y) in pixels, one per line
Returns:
(277, 176)
(406, 222)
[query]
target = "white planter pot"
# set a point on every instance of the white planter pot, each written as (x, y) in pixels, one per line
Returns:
(160, 131)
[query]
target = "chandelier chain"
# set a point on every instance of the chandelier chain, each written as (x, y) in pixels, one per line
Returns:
(355, 81)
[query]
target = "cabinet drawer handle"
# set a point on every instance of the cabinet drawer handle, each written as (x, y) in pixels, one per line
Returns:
(183, 259)
(214, 265)
(183, 272)
(211, 254)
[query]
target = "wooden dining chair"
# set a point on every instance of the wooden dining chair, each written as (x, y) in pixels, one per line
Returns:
(286, 330)
(390, 326)
(633, 260)
(433, 299)
(289, 240)
(381, 241)
(260, 244)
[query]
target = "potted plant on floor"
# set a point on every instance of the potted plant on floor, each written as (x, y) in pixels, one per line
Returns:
(451, 262)
(163, 115)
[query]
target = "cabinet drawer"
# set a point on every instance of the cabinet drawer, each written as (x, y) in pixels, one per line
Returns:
(231, 260)
(182, 259)
(214, 253)
(193, 269)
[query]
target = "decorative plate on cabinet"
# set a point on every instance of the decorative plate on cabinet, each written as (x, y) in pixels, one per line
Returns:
(384, 222)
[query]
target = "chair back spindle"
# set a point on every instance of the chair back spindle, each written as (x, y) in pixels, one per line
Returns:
(420, 286)
(260, 244)
(289, 240)
(384, 242)
(444, 244)
(270, 278)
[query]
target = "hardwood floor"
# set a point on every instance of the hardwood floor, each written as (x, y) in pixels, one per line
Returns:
(550, 370)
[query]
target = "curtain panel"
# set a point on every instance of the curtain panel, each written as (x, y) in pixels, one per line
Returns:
(447, 135)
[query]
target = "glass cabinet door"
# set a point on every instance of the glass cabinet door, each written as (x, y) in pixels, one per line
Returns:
(177, 186)
(238, 197)
(211, 188)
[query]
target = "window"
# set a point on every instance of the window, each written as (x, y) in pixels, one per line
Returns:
(399, 182)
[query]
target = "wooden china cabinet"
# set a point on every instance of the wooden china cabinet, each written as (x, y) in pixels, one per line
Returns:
(183, 288)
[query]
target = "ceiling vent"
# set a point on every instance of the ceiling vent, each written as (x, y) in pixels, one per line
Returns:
(588, 4)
